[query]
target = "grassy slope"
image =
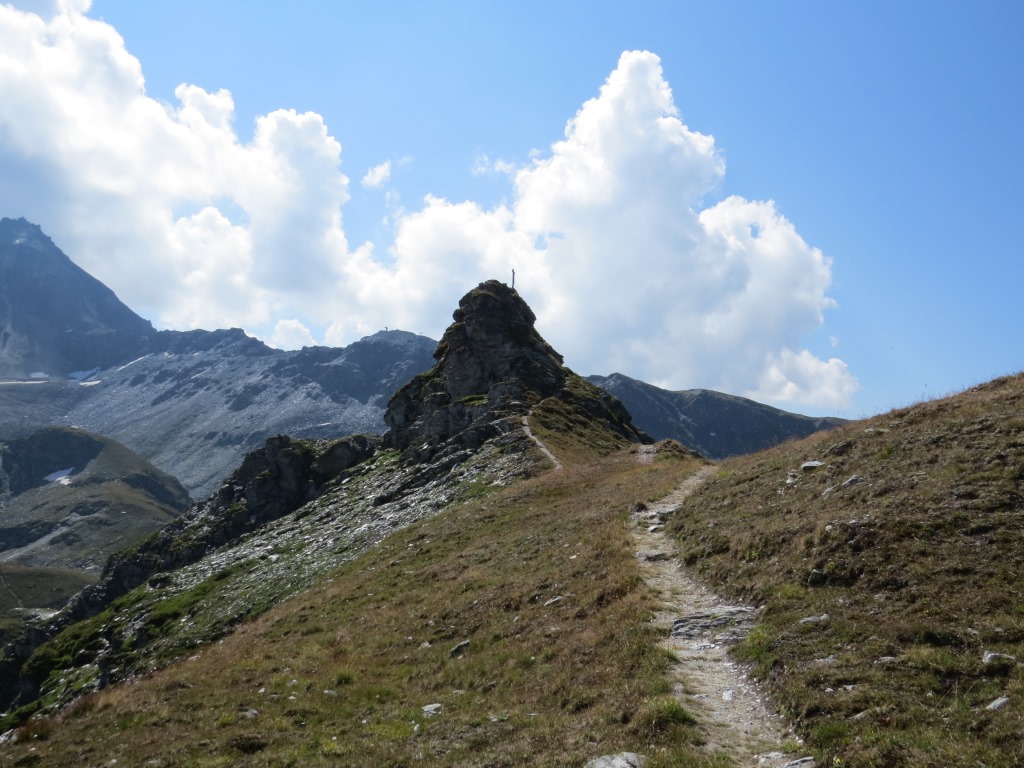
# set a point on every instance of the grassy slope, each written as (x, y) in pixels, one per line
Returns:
(538, 577)
(113, 500)
(24, 588)
(923, 564)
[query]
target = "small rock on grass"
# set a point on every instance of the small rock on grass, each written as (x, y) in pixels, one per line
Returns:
(655, 556)
(999, 703)
(815, 619)
(621, 760)
(803, 762)
(991, 657)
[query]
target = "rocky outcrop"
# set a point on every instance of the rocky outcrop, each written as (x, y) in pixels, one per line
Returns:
(492, 366)
(271, 483)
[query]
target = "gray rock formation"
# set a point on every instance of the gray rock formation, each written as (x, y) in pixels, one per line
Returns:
(492, 368)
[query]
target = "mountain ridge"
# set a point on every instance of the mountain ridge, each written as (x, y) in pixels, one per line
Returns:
(463, 602)
(715, 424)
(195, 402)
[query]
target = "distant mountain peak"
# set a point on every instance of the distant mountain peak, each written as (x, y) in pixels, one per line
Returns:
(21, 231)
(54, 317)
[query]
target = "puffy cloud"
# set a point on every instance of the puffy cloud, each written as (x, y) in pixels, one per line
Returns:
(625, 268)
(164, 202)
(291, 334)
(790, 376)
(613, 245)
(378, 175)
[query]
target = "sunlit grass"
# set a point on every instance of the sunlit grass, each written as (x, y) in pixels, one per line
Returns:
(519, 613)
(917, 564)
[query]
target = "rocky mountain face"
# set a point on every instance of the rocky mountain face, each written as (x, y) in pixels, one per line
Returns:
(200, 400)
(54, 317)
(70, 498)
(713, 423)
(297, 508)
(193, 403)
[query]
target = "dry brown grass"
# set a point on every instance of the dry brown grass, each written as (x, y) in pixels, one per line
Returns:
(561, 663)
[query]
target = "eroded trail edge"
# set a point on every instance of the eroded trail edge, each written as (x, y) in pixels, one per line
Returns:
(699, 627)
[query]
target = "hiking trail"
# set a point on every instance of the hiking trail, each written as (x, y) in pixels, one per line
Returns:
(700, 626)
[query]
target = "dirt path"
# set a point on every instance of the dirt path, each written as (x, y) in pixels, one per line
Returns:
(700, 627)
(537, 441)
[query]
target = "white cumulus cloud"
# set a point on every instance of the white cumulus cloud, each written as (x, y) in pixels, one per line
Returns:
(615, 246)
(378, 175)
(625, 267)
(291, 334)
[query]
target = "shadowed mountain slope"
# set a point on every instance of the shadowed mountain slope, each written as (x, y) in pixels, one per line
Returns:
(54, 317)
(70, 498)
(713, 423)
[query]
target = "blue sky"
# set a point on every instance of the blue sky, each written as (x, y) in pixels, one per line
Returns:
(809, 203)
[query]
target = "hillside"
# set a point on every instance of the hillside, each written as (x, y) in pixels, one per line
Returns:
(715, 424)
(68, 500)
(507, 629)
(457, 593)
(890, 575)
